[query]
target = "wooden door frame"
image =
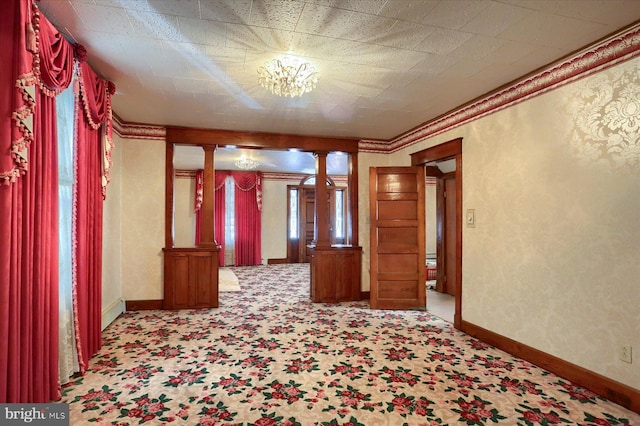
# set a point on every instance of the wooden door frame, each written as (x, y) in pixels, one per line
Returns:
(445, 151)
(295, 248)
(441, 216)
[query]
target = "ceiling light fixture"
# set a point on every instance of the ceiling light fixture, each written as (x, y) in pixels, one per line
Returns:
(245, 163)
(286, 77)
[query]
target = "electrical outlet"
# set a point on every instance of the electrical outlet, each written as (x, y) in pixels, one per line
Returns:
(625, 353)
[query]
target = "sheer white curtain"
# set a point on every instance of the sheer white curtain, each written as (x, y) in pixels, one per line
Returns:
(68, 357)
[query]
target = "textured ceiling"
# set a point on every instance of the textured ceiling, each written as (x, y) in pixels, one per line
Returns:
(385, 66)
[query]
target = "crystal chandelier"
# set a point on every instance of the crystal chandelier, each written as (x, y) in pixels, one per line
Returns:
(284, 77)
(246, 163)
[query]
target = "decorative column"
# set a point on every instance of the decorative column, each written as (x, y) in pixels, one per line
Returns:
(207, 232)
(322, 236)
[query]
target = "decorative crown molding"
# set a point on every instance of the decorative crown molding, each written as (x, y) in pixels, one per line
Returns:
(138, 131)
(607, 53)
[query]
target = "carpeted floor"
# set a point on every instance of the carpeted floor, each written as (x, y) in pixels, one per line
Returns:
(268, 356)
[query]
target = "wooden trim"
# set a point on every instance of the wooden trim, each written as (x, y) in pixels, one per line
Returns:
(168, 195)
(457, 315)
(278, 261)
(614, 391)
(439, 152)
(445, 151)
(440, 235)
(204, 137)
(143, 305)
(352, 197)
(365, 295)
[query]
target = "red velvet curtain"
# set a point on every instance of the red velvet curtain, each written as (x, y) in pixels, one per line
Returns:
(220, 201)
(29, 229)
(93, 108)
(248, 209)
(221, 207)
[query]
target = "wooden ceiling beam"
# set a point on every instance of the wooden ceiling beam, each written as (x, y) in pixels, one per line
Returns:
(203, 137)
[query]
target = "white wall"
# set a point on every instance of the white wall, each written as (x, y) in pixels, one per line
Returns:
(142, 218)
(555, 183)
(365, 161)
(274, 218)
(184, 226)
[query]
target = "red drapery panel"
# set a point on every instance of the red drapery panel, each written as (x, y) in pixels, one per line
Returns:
(197, 203)
(220, 208)
(248, 206)
(29, 231)
(93, 107)
(219, 177)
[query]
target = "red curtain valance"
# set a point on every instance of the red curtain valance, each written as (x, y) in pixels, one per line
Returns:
(94, 95)
(53, 60)
(246, 181)
(95, 101)
(17, 91)
(40, 56)
(219, 178)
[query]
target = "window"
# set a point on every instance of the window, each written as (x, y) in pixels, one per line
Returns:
(339, 215)
(293, 213)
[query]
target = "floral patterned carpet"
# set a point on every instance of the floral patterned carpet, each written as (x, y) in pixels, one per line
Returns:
(268, 356)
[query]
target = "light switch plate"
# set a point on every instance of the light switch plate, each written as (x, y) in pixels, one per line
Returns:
(471, 218)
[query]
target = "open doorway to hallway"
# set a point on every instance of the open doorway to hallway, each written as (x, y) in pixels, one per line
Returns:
(449, 268)
(440, 208)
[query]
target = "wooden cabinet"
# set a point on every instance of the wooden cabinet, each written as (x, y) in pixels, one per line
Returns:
(335, 273)
(191, 278)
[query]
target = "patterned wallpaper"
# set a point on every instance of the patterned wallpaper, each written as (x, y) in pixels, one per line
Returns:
(553, 259)
(605, 112)
(111, 235)
(142, 219)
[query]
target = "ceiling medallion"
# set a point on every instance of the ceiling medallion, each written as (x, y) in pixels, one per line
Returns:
(287, 77)
(246, 163)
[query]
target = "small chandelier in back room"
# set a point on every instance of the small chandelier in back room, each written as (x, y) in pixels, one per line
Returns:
(246, 163)
(287, 77)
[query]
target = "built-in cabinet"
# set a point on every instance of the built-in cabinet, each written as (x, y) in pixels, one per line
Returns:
(190, 278)
(335, 273)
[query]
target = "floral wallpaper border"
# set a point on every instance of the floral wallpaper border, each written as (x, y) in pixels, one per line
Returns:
(621, 47)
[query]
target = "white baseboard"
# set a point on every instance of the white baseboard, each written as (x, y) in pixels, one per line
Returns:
(112, 312)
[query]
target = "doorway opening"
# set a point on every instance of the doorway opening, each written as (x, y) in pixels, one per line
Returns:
(440, 208)
(443, 163)
(301, 217)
